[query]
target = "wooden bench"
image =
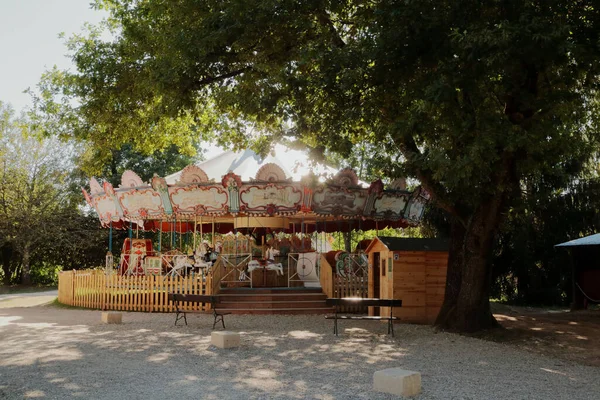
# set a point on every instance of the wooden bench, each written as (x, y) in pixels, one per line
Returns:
(337, 303)
(178, 300)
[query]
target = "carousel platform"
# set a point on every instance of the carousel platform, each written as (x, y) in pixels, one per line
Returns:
(298, 300)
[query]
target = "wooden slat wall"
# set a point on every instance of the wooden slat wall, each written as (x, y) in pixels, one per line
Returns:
(326, 278)
(419, 279)
(94, 289)
(435, 283)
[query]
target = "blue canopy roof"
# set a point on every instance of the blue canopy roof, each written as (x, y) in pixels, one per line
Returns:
(592, 240)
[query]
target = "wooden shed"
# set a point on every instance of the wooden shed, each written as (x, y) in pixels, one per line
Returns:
(413, 270)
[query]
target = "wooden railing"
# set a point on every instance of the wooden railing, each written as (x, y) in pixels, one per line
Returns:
(334, 285)
(95, 289)
(216, 274)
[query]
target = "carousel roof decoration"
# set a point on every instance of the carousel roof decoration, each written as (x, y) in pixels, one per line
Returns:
(270, 172)
(130, 179)
(346, 178)
(240, 189)
(193, 174)
(95, 187)
(398, 184)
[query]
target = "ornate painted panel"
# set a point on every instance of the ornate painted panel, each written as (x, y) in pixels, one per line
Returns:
(390, 206)
(331, 200)
(271, 199)
(416, 205)
(141, 203)
(199, 200)
(106, 208)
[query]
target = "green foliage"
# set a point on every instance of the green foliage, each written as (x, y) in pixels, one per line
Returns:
(41, 225)
(339, 240)
(527, 267)
(162, 163)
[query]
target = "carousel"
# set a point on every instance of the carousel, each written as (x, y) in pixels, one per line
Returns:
(247, 221)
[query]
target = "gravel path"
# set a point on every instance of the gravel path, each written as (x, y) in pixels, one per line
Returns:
(54, 353)
(27, 299)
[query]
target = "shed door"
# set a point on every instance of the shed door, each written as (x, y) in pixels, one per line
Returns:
(376, 279)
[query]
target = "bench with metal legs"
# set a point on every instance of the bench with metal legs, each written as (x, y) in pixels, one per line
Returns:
(178, 300)
(337, 303)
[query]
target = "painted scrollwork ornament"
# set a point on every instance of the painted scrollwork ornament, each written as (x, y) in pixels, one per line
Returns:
(160, 186)
(193, 174)
(346, 178)
(95, 187)
(398, 184)
(270, 172)
(130, 179)
(88, 199)
(233, 183)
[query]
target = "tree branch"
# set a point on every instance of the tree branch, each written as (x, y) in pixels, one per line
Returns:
(324, 19)
(213, 79)
(409, 149)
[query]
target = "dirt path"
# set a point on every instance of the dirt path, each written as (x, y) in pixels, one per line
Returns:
(573, 336)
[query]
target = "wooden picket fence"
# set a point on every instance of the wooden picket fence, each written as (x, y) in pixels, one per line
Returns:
(97, 290)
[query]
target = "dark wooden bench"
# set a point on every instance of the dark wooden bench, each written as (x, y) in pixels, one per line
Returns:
(179, 299)
(337, 303)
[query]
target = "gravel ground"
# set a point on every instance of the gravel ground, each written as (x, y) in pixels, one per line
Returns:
(27, 299)
(55, 353)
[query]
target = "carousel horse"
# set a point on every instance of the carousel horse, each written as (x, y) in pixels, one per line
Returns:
(269, 263)
(181, 265)
(202, 258)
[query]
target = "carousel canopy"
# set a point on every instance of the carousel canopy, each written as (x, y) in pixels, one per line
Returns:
(242, 190)
(246, 164)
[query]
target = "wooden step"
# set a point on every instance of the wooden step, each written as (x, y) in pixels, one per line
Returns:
(272, 304)
(297, 300)
(273, 297)
(288, 311)
(247, 290)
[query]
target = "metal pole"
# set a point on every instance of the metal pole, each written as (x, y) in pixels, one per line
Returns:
(110, 234)
(173, 225)
(160, 235)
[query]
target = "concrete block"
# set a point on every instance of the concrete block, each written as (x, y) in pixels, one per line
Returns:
(397, 381)
(225, 339)
(112, 317)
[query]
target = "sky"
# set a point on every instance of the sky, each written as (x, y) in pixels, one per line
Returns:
(29, 42)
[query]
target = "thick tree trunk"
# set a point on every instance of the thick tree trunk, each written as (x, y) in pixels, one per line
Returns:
(466, 308)
(25, 273)
(454, 274)
(6, 262)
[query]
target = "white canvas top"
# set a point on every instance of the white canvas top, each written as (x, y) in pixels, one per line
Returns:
(246, 164)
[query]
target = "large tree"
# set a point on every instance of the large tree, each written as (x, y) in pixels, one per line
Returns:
(469, 97)
(36, 206)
